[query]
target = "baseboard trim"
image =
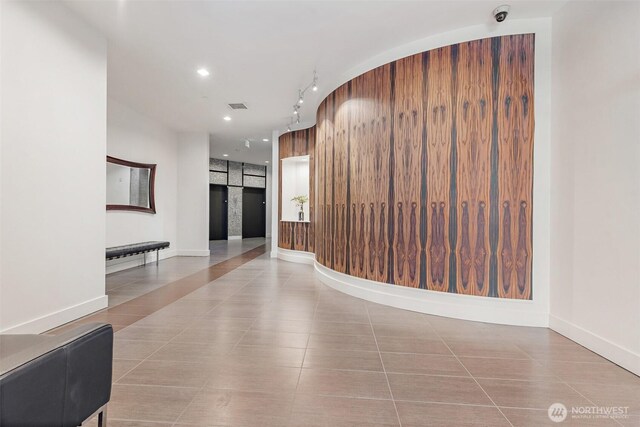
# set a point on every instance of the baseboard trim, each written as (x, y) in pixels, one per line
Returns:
(234, 238)
(136, 261)
(60, 317)
(464, 307)
(605, 348)
(193, 252)
(295, 256)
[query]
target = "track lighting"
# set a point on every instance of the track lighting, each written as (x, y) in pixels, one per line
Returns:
(314, 87)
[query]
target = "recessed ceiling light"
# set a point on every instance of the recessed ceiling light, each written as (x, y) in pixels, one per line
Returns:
(227, 118)
(266, 161)
(203, 72)
(225, 155)
(265, 139)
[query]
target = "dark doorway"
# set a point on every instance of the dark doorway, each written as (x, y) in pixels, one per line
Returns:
(217, 212)
(253, 212)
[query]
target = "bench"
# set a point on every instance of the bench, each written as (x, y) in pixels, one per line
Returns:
(56, 380)
(136, 249)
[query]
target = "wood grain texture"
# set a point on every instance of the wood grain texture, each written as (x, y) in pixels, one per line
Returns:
(407, 153)
(424, 171)
(321, 165)
(515, 166)
(474, 119)
(439, 122)
(340, 149)
(294, 235)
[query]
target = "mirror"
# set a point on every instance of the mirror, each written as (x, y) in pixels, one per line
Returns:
(130, 185)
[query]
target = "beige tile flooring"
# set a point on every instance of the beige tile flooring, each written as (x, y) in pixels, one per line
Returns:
(126, 285)
(267, 344)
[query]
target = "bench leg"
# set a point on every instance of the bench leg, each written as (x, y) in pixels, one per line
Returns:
(102, 417)
(144, 259)
(157, 256)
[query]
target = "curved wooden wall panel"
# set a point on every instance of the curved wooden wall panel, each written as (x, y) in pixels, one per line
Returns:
(424, 171)
(298, 236)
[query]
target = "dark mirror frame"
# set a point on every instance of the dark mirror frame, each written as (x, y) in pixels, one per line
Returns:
(152, 185)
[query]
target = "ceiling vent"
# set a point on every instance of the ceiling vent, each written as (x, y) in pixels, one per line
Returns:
(238, 106)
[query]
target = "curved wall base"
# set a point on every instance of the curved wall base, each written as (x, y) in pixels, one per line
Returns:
(296, 256)
(465, 307)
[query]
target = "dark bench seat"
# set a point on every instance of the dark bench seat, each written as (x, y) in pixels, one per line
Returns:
(136, 249)
(56, 380)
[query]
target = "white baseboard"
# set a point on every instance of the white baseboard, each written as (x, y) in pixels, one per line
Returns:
(60, 317)
(194, 252)
(465, 307)
(136, 261)
(234, 238)
(605, 348)
(295, 256)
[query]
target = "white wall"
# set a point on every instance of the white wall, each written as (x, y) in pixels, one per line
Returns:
(193, 194)
(133, 136)
(273, 188)
(54, 83)
(268, 196)
(595, 247)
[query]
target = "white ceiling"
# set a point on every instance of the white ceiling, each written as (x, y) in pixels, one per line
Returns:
(259, 53)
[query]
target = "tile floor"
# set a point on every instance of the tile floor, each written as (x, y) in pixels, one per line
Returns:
(267, 344)
(125, 285)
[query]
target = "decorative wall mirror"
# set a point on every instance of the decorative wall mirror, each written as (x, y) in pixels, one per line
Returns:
(130, 186)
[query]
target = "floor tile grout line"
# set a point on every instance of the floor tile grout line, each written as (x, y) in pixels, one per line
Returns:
(475, 380)
(106, 309)
(585, 397)
(304, 356)
(245, 332)
(386, 376)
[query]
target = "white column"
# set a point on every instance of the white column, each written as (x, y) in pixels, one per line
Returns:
(275, 170)
(193, 194)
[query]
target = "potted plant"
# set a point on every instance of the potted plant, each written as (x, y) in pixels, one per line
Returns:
(300, 201)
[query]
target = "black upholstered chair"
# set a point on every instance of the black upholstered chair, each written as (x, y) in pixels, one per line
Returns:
(56, 380)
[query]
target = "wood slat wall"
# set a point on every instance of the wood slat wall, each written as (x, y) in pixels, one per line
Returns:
(424, 171)
(297, 235)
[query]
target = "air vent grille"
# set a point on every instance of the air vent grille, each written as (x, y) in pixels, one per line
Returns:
(238, 106)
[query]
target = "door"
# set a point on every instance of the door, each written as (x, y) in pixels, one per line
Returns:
(217, 212)
(254, 212)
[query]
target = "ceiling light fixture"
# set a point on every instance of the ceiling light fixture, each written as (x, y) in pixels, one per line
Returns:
(296, 107)
(227, 118)
(225, 155)
(266, 161)
(203, 72)
(265, 139)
